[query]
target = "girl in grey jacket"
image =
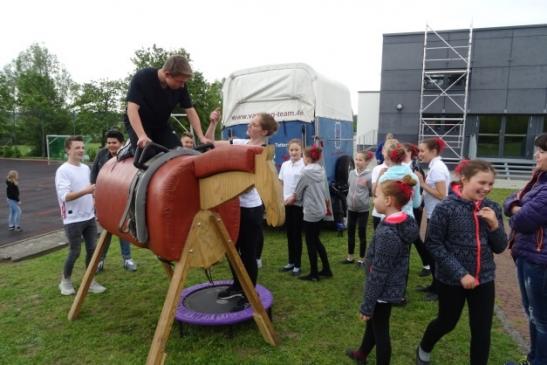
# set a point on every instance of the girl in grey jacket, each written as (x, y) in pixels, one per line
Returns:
(312, 192)
(358, 200)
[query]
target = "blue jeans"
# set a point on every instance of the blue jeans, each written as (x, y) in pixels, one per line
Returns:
(533, 287)
(125, 248)
(14, 219)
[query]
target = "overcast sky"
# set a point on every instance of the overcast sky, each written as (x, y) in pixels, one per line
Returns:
(341, 39)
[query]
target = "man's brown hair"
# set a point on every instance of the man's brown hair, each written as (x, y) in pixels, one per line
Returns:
(69, 140)
(177, 65)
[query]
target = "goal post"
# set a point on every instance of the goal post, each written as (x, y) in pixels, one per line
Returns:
(56, 147)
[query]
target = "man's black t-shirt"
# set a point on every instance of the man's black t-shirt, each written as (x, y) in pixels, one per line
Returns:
(156, 103)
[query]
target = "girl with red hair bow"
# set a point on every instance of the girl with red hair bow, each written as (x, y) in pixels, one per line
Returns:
(313, 193)
(387, 264)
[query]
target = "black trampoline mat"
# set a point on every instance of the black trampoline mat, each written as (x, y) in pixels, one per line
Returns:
(205, 301)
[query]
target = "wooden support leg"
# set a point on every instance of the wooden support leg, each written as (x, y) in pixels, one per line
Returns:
(89, 275)
(260, 316)
(156, 355)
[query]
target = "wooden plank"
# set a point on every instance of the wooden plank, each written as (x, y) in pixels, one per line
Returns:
(105, 238)
(156, 355)
(219, 188)
(261, 317)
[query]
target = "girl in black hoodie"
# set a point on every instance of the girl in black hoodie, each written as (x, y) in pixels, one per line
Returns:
(12, 194)
(387, 266)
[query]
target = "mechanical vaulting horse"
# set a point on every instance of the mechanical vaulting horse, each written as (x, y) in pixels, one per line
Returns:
(184, 208)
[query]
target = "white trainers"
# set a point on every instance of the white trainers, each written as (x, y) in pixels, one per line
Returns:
(96, 288)
(130, 265)
(66, 287)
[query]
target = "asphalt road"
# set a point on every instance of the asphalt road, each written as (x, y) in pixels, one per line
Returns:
(38, 200)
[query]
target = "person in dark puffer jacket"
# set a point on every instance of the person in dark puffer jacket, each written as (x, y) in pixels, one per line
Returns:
(463, 233)
(387, 263)
(528, 212)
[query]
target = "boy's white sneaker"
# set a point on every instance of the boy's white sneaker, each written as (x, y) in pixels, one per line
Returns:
(66, 287)
(96, 288)
(130, 265)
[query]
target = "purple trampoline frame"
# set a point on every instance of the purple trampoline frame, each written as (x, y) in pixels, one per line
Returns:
(186, 315)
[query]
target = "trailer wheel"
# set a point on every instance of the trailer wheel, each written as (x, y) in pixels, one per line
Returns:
(344, 164)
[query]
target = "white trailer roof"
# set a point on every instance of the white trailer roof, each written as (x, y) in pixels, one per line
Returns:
(288, 91)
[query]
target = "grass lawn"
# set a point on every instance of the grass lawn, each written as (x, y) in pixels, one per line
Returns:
(315, 322)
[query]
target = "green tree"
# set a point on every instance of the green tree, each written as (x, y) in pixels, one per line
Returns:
(7, 110)
(97, 107)
(205, 96)
(42, 87)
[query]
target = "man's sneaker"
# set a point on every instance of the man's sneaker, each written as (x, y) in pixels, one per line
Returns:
(357, 356)
(96, 288)
(296, 271)
(229, 292)
(419, 361)
(130, 265)
(18, 229)
(100, 267)
(11, 228)
(347, 261)
(425, 272)
(242, 304)
(66, 287)
(288, 267)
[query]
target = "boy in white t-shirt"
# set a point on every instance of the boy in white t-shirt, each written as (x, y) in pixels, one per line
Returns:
(75, 196)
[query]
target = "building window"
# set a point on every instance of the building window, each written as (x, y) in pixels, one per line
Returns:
(434, 82)
(442, 81)
(502, 136)
(514, 139)
(489, 132)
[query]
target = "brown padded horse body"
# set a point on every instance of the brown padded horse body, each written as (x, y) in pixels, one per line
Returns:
(173, 196)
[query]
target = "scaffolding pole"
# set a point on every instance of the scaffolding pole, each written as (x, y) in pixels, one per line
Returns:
(440, 78)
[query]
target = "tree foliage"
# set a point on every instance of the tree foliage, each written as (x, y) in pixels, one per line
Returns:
(98, 107)
(41, 89)
(38, 97)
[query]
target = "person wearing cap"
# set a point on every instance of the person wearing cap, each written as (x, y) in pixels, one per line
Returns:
(152, 96)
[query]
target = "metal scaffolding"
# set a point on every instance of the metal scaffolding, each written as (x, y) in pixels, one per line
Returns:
(444, 90)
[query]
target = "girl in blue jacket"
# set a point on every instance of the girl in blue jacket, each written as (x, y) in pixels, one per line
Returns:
(464, 233)
(528, 212)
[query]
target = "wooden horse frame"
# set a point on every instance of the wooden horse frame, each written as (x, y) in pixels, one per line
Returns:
(207, 242)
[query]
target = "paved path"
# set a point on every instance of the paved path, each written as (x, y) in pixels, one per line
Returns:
(508, 303)
(38, 200)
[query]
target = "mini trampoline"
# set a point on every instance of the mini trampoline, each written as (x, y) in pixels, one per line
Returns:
(200, 306)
